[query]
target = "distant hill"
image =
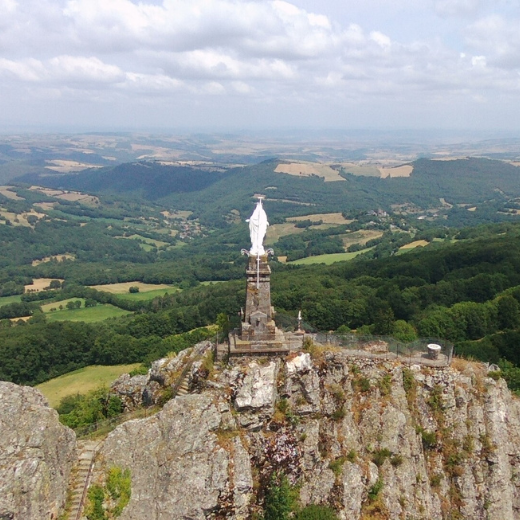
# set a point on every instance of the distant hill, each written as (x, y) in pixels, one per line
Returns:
(151, 180)
(212, 195)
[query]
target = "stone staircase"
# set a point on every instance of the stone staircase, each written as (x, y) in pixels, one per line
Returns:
(183, 388)
(81, 476)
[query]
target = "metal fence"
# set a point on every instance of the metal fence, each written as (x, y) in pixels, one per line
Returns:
(429, 351)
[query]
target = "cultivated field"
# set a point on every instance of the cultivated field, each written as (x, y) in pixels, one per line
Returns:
(149, 295)
(365, 170)
(6, 300)
(72, 196)
(151, 241)
(328, 259)
(63, 166)
(360, 237)
(88, 315)
(6, 192)
(306, 169)
(124, 287)
(81, 381)
(40, 283)
(19, 219)
(327, 218)
(399, 171)
(277, 231)
(413, 245)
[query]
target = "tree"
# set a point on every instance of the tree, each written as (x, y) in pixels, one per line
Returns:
(55, 284)
(508, 313)
(403, 331)
(133, 290)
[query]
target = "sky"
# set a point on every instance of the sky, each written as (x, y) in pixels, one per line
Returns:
(227, 65)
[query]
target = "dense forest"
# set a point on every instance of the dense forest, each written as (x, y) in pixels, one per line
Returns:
(467, 292)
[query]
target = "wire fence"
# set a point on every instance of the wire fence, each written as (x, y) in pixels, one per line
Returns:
(429, 351)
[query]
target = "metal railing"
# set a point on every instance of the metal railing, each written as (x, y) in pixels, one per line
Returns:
(430, 351)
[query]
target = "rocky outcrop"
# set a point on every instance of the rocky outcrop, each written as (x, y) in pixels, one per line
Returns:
(150, 389)
(369, 438)
(36, 456)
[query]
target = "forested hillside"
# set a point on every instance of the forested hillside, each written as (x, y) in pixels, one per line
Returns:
(212, 195)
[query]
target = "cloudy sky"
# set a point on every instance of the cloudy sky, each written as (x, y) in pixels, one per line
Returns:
(259, 64)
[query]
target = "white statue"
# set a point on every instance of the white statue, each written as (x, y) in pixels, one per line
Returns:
(257, 229)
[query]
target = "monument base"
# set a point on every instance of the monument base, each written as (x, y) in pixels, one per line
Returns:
(277, 344)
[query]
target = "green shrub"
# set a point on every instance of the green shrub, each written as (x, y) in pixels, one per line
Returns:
(337, 465)
(139, 371)
(379, 456)
(339, 414)
(316, 512)
(278, 501)
(374, 490)
(352, 456)
(385, 385)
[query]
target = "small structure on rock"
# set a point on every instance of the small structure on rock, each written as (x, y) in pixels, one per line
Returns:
(258, 333)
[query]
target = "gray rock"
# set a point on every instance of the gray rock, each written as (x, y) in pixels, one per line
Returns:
(130, 390)
(258, 388)
(178, 469)
(36, 455)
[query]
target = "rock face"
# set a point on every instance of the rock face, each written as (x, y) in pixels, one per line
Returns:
(36, 456)
(371, 439)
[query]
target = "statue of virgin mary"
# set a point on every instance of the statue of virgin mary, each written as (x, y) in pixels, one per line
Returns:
(257, 229)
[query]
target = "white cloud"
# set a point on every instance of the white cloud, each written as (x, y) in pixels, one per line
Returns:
(270, 51)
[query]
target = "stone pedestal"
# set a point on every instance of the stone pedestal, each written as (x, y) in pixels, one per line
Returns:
(258, 333)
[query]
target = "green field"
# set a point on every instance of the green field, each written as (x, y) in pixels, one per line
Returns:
(148, 295)
(88, 315)
(328, 259)
(6, 300)
(82, 381)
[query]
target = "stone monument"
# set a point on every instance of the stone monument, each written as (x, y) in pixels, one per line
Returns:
(258, 333)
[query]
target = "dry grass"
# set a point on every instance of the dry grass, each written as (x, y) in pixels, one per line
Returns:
(399, 171)
(176, 214)
(124, 287)
(360, 237)
(6, 192)
(326, 218)
(474, 208)
(417, 243)
(20, 219)
(277, 231)
(72, 196)
(58, 258)
(306, 169)
(64, 166)
(40, 283)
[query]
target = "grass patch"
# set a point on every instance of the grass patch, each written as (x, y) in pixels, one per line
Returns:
(148, 295)
(89, 315)
(6, 300)
(329, 259)
(124, 287)
(82, 381)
